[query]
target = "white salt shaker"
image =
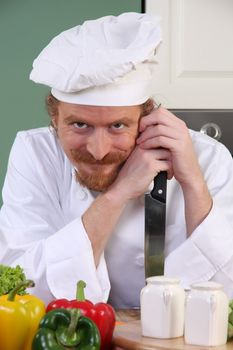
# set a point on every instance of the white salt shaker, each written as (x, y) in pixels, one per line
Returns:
(206, 315)
(162, 308)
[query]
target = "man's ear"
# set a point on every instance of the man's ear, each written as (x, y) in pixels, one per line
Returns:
(54, 124)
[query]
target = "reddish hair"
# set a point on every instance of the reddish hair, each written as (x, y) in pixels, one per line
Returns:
(52, 104)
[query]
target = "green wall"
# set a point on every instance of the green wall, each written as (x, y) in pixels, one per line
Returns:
(26, 26)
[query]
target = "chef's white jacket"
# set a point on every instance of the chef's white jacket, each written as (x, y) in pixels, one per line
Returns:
(41, 227)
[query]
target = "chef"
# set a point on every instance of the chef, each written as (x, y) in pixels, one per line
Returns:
(73, 197)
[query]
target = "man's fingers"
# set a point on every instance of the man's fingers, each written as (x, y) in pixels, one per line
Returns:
(161, 116)
(159, 142)
(158, 130)
(161, 154)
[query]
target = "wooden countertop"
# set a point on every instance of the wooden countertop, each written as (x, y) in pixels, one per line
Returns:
(127, 336)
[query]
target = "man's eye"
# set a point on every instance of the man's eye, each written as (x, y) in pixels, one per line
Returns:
(118, 126)
(80, 125)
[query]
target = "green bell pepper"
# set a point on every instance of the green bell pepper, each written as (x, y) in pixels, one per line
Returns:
(63, 329)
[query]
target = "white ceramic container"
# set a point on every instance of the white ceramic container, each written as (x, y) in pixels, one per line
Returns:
(206, 315)
(162, 308)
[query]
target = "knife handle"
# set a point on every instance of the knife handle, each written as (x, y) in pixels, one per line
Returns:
(159, 190)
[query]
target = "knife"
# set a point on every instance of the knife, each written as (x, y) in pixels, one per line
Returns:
(155, 220)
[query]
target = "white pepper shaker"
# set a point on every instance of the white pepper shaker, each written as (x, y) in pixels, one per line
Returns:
(162, 308)
(206, 315)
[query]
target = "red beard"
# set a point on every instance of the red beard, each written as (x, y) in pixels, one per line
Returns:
(98, 180)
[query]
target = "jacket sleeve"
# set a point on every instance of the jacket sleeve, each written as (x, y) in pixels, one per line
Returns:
(35, 234)
(208, 254)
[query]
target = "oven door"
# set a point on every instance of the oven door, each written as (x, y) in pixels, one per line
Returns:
(213, 122)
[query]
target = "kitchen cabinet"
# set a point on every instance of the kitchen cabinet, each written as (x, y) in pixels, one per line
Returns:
(195, 67)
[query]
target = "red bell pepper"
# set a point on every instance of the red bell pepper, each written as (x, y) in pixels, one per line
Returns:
(102, 314)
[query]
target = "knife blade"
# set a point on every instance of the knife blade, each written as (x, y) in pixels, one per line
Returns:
(155, 220)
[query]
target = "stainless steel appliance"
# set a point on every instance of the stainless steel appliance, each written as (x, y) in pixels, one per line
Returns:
(213, 122)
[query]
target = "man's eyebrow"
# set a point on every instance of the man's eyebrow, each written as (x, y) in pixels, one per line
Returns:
(72, 118)
(123, 120)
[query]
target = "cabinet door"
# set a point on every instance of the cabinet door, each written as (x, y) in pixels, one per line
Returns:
(195, 67)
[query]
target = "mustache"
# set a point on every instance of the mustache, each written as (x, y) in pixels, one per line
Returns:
(86, 157)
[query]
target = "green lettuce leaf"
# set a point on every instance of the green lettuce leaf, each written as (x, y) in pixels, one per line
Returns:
(10, 277)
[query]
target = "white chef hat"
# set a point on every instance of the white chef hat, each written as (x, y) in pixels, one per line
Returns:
(105, 62)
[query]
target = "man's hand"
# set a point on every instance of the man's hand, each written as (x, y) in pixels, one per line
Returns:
(164, 143)
(138, 172)
(162, 129)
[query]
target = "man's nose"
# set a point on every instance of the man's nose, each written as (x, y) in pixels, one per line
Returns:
(99, 144)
